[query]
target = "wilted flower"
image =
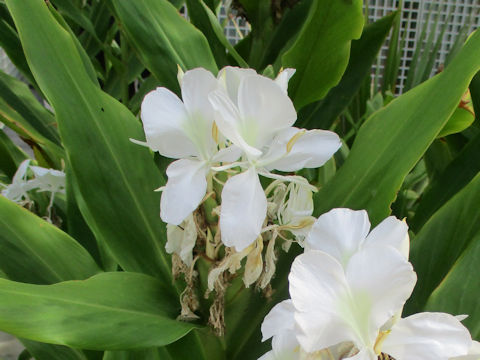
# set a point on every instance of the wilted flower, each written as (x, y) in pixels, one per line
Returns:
(17, 190)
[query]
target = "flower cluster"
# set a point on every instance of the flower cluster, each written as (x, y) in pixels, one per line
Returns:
(225, 132)
(43, 180)
(347, 294)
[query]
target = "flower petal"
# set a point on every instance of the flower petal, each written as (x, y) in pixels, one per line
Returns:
(185, 189)
(181, 240)
(317, 284)
(380, 281)
(264, 109)
(393, 232)
(244, 207)
(229, 154)
(230, 77)
(283, 78)
(228, 120)
(340, 233)
(427, 336)
(163, 115)
(310, 150)
(279, 319)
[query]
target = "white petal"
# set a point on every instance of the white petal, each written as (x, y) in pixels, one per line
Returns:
(427, 336)
(473, 353)
(392, 232)
(163, 116)
(285, 346)
(228, 120)
(380, 280)
(317, 285)
(268, 356)
(181, 239)
(283, 78)
(310, 150)
(340, 233)
(48, 179)
(185, 189)
(279, 319)
(229, 77)
(21, 171)
(365, 354)
(197, 84)
(264, 109)
(229, 154)
(244, 207)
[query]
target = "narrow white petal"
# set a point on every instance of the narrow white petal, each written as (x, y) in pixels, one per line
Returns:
(380, 280)
(163, 115)
(244, 207)
(310, 150)
(283, 78)
(279, 319)
(340, 233)
(185, 189)
(427, 336)
(392, 232)
(317, 286)
(264, 110)
(21, 171)
(181, 239)
(229, 154)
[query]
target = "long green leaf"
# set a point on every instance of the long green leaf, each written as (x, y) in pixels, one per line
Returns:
(34, 251)
(163, 38)
(456, 175)
(111, 311)
(322, 114)
(459, 291)
(10, 155)
(441, 242)
(115, 178)
(393, 139)
(42, 351)
(320, 54)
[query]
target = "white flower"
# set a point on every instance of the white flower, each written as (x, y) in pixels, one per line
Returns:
(473, 353)
(181, 239)
(334, 304)
(256, 114)
(48, 179)
(186, 131)
(343, 232)
(17, 190)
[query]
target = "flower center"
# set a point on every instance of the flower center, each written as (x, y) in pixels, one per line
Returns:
(383, 356)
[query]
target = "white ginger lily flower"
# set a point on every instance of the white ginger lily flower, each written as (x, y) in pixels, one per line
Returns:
(255, 113)
(186, 131)
(335, 304)
(343, 232)
(181, 239)
(17, 190)
(48, 179)
(473, 353)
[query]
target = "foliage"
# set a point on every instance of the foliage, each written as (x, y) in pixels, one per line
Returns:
(94, 274)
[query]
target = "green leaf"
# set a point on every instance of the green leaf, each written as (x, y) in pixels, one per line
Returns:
(459, 291)
(10, 155)
(461, 119)
(32, 250)
(42, 351)
(147, 354)
(320, 54)
(442, 241)
(111, 311)
(322, 114)
(456, 175)
(163, 39)
(115, 177)
(392, 140)
(34, 116)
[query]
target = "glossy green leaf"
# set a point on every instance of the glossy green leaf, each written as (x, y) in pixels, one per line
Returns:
(392, 140)
(42, 351)
(163, 38)
(456, 175)
(459, 291)
(147, 354)
(34, 251)
(321, 52)
(115, 177)
(322, 114)
(459, 121)
(112, 311)
(442, 241)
